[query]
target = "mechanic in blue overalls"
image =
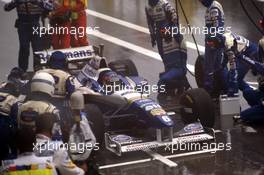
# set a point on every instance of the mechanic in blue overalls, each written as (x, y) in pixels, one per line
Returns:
(243, 47)
(9, 93)
(255, 98)
(174, 56)
(214, 20)
(163, 23)
(29, 13)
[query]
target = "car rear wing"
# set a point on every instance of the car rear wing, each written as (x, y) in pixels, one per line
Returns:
(78, 54)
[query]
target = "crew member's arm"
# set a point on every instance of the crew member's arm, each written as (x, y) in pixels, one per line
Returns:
(70, 85)
(64, 164)
(10, 6)
(171, 13)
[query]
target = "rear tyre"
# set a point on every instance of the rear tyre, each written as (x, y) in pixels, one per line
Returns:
(199, 71)
(96, 121)
(197, 105)
(124, 67)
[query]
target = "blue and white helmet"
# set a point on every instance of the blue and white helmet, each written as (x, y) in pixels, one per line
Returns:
(58, 60)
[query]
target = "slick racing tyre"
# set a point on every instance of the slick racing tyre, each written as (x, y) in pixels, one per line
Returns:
(96, 121)
(124, 67)
(197, 105)
(199, 71)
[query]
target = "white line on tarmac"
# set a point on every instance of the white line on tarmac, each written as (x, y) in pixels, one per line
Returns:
(134, 26)
(131, 46)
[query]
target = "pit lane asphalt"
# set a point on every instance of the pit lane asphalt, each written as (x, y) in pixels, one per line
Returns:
(246, 156)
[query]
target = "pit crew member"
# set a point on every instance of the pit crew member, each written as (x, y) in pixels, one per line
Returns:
(45, 146)
(160, 13)
(29, 13)
(57, 66)
(9, 93)
(81, 133)
(60, 18)
(47, 164)
(174, 56)
(42, 89)
(214, 22)
(79, 22)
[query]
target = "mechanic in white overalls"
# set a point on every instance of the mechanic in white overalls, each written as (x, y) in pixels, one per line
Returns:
(64, 86)
(42, 89)
(81, 133)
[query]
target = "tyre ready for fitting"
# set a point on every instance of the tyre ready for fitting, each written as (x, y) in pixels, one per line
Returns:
(124, 67)
(197, 105)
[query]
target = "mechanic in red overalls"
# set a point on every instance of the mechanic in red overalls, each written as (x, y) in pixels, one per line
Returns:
(79, 22)
(61, 21)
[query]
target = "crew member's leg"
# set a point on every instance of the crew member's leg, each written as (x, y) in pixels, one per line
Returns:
(24, 34)
(254, 114)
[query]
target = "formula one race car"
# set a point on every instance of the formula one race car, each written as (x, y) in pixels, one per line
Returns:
(120, 112)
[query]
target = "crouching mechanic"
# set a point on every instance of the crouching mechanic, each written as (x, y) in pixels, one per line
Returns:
(57, 66)
(174, 56)
(48, 157)
(42, 89)
(235, 48)
(64, 86)
(45, 147)
(9, 93)
(242, 47)
(82, 134)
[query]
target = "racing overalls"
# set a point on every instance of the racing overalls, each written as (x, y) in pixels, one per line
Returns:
(175, 60)
(79, 22)
(214, 20)
(60, 19)
(244, 48)
(28, 163)
(29, 13)
(255, 98)
(81, 133)
(8, 111)
(31, 109)
(46, 147)
(157, 17)
(63, 81)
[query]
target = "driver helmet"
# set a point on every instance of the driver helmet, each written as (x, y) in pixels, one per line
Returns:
(98, 62)
(58, 60)
(109, 80)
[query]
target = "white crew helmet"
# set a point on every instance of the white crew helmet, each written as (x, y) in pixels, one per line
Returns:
(43, 82)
